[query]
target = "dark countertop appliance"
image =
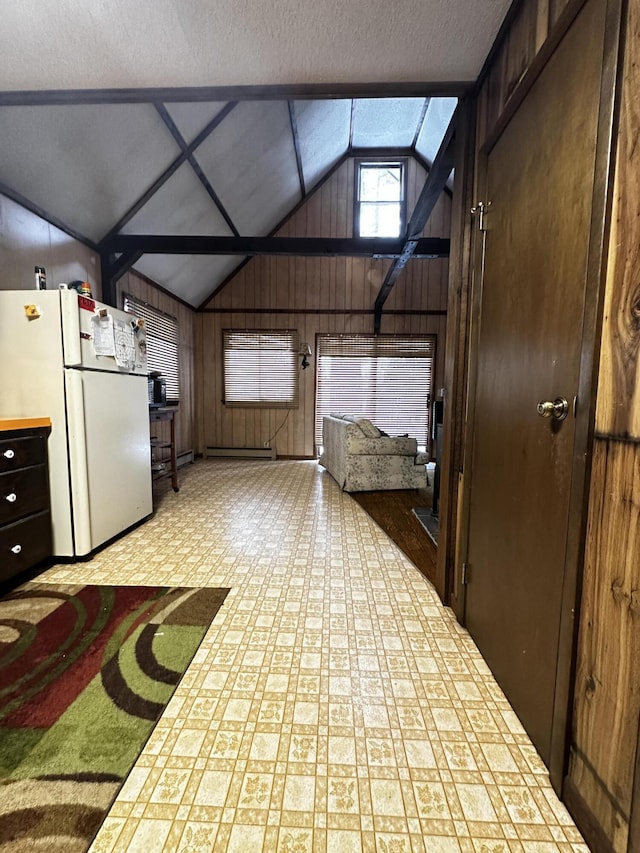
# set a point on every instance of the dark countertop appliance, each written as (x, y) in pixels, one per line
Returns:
(157, 390)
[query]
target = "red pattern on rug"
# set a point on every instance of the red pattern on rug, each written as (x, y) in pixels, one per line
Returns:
(56, 630)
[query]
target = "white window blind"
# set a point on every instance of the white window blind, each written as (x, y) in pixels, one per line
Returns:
(386, 378)
(260, 368)
(163, 342)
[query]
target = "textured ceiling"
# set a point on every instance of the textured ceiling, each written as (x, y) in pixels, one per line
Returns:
(75, 44)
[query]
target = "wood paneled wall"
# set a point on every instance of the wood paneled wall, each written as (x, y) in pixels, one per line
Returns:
(607, 699)
(27, 241)
(603, 783)
(185, 422)
(316, 295)
(531, 30)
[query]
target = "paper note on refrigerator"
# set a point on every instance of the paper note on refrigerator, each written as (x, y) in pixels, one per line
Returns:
(103, 339)
(125, 345)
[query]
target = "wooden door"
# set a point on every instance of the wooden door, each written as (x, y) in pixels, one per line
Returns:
(540, 179)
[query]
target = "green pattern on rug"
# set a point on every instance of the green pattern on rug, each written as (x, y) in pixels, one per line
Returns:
(85, 673)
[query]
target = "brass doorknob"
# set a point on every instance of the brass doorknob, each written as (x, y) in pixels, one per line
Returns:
(558, 409)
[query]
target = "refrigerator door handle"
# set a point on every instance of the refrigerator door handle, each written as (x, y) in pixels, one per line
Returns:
(76, 436)
(69, 313)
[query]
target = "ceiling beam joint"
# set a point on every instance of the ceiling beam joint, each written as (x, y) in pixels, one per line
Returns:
(443, 163)
(113, 267)
(168, 173)
(184, 146)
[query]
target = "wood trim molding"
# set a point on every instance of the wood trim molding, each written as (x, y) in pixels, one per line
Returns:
(296, 146)
(566, 19)
(194, 94)
(453, 509)
(634, 820)
(601, 206)
(591, 830)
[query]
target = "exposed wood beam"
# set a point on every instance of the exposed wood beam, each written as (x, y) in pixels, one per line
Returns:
(423, 114)
(434, 185)
(321, 91)
(170, 244)
(168, 172)
(113, 267)
(181, 141)
(296, 145)
(380, 153)
(352, 121)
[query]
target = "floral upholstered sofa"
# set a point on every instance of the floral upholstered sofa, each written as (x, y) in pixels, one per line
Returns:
(360, 458)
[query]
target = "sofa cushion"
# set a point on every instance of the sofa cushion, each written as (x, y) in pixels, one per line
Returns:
(342, 416)
(368, 428)
(358, 445)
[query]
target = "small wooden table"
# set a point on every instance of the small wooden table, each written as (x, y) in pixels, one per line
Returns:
(166, 414)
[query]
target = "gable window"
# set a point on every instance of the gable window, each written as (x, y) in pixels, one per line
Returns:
(260, 368)
(386, 378)
(163, 342)
(380, 209)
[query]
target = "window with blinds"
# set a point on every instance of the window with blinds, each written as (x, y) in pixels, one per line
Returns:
(260, 368)
(163, 342)
(385, 378)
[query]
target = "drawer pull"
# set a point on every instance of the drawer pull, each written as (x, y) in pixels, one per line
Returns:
(12, 498)
(16, 549)
(9, 454)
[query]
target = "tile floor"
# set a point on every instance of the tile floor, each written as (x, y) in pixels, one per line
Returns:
(333, 705)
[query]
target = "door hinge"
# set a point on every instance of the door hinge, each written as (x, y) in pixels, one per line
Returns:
(482, 208)
(466, 573)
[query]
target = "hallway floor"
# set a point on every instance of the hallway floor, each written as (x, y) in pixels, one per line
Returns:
(334, 703)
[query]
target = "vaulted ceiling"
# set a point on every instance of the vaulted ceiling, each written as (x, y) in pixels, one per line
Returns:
(124, 118)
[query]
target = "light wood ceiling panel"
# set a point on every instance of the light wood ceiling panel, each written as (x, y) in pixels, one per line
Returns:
(190, 277)
(85, 164)
(386, 122)
(181, 206)
(323, 127)
(250, 161)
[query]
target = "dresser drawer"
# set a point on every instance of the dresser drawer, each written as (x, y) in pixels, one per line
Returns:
(24, 544)
(22, 452)
(23, 492)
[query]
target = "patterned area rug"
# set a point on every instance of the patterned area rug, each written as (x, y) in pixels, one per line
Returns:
(85, 673)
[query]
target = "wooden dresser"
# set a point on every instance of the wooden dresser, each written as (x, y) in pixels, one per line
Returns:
(25, 515)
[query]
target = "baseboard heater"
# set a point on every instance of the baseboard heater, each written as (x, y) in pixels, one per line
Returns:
(184, 458)
(243, 452)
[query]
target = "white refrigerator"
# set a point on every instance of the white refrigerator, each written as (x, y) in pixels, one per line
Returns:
(82, 364)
